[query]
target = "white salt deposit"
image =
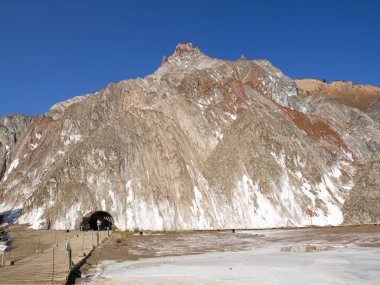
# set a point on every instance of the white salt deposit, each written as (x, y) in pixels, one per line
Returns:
(68, 221)
(13, 166)
(32, 217)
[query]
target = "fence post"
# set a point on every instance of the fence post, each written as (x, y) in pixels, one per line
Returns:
(52, 277)
(68, 248)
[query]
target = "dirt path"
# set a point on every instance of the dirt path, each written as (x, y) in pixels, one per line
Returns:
(33, 251)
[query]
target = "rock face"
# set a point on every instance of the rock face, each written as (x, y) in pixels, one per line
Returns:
(12, 131)
(201, 143)
(363, 204)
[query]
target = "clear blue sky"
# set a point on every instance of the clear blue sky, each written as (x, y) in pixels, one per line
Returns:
(53, 50)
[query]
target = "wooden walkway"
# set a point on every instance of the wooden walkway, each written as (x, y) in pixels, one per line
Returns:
(38, 268)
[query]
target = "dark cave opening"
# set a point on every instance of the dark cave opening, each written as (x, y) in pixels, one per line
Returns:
(91, 220)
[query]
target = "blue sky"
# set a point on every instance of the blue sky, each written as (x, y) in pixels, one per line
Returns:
(53, 50)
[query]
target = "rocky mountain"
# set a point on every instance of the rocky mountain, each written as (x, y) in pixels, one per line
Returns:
(363, 97)
(201, 143)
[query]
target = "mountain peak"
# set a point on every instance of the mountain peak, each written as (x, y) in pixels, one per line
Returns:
(185, 59)
(185, 48)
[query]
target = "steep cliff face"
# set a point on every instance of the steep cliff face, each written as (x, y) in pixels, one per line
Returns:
(201, 143)
(12, 130)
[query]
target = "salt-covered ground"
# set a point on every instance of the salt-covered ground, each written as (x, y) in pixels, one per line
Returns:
(307, 256)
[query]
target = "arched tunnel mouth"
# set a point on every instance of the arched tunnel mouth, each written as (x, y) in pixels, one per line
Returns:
(97, 220)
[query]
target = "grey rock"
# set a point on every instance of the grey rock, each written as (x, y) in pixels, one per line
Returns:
(363, 204)
(201, 143)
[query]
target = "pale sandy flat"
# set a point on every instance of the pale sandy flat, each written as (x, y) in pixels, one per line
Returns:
(309, 256)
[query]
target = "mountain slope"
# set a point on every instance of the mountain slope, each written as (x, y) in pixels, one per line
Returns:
(201, 143)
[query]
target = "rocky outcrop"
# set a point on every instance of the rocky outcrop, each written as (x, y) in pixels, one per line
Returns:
(201, 143)
(180, 48)
(363, 204)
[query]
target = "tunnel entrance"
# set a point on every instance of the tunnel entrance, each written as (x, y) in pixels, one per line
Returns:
(90, 221)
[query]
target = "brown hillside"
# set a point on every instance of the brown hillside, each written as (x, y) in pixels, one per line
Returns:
(358, 96)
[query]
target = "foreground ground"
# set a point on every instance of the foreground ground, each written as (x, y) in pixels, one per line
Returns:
(341, 255)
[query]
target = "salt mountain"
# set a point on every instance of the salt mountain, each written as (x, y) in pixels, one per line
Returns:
(200, 144)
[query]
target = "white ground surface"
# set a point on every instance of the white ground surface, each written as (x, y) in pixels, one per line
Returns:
(343, 263)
